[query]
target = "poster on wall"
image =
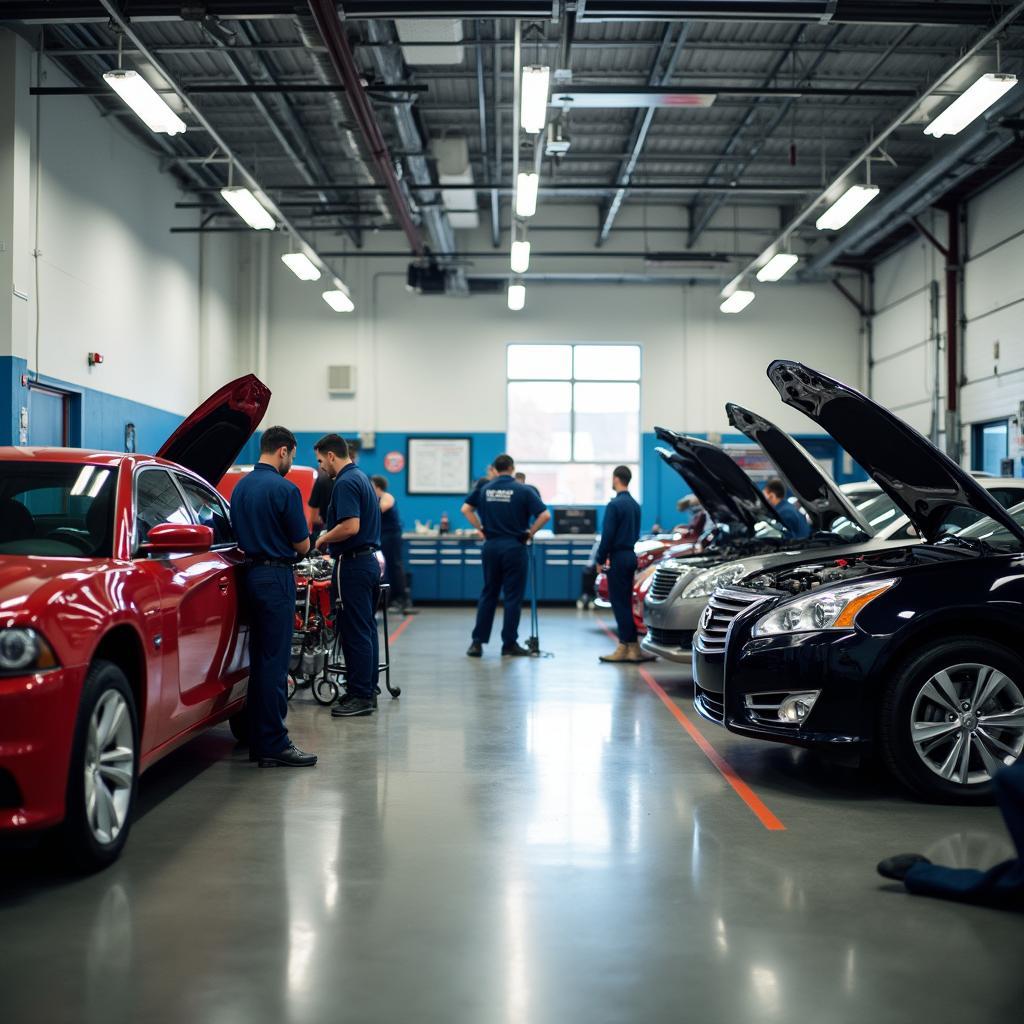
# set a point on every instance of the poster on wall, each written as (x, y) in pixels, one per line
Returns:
(438, 465)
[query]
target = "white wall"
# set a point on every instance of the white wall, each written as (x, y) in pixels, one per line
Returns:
(111, 276)
(438, 363)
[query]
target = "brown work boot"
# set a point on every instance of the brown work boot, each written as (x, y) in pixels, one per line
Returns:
(621, 653)
(636, 653)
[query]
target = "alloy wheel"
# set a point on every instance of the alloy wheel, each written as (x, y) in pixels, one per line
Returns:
(967, 722)
(109, 767)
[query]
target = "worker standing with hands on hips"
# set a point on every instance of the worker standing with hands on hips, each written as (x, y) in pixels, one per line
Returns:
(619, 533)
(352, 536)
(501, 512)
(268, 518)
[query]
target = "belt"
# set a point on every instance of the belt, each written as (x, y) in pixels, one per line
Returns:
(261, 563)
(367, 549)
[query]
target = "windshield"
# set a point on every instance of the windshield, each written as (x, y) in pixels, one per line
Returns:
(877, 511)
(59, 509)
(994, 534)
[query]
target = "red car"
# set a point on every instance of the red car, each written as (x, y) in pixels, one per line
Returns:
(120, 635)
(302, 476)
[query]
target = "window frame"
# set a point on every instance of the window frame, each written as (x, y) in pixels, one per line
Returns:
(978, 442)
(572, 380)
(180, 475)
(135, 510)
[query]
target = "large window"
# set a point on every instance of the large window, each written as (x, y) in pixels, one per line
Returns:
(573, 416)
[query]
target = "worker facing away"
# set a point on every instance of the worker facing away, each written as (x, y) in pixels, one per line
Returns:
(352, 536)
(267, 515)
(506, 514)
(619, 533)
(391, 545)
(795, 522)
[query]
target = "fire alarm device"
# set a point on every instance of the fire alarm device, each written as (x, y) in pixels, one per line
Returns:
(95, 358)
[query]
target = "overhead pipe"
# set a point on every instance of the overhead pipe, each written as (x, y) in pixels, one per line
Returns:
(343, 62)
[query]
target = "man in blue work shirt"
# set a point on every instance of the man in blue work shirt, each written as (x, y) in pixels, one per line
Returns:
(796, 524)
(352, 536)
(619, 533)
(267, 515)
(501, 511)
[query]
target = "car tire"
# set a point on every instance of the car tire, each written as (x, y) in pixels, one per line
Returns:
(238, 723)
(103, 772)
(918, 702)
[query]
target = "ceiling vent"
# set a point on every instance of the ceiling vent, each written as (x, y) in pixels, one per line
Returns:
(341, 380)
(446, 34)
(454, 168)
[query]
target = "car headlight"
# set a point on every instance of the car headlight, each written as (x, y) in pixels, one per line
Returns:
(707, 582)
(23, 650)
(836, 608)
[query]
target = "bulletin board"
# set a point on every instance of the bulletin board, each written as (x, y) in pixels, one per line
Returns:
(439, 465)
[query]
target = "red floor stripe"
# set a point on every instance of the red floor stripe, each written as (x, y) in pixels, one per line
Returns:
(394, 635)
(742, 790)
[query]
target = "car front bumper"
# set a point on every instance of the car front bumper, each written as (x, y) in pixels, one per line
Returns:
(835, 665)
(37, 724)
(671, 625)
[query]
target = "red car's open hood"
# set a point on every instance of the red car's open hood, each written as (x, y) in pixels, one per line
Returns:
(211, 438)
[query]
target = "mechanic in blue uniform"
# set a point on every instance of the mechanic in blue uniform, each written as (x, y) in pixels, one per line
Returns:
(267, 514)
(352, 536)
(391, 546)
(619, 533)
(795, 522)
(501, 512)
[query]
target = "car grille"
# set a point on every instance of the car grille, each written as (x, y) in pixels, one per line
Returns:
(710, 703)
(724, 605)
(664, 580)
(670, 637)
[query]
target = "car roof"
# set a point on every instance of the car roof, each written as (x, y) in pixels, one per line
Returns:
(989, 482)
(83, 456)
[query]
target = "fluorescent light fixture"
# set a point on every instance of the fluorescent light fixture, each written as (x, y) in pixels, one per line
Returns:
(846, 207)
(145, 101)
(249, 208)
(533, 100)
(970, 104)
(301, 266)
(520, 257)
(778, 266)
(339, 299)
(737, 302)
(516, 297)
(526, 194)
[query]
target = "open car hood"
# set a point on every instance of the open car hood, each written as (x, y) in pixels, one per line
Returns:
(726, 492)
(210, 439)
(921, 480)
(817, 491)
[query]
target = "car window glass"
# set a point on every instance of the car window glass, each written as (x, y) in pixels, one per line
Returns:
(209, 510)
(157, 501)
(1007, 496)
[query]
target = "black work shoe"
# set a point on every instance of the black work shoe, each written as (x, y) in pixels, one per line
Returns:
(897, 867)
(515, 651)
(476, 649)
(290, 757)
(351, 706)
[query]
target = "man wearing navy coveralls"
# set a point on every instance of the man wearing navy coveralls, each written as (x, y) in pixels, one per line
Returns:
(352, 536)
(619, 533)
(268, 518)
(501, 511)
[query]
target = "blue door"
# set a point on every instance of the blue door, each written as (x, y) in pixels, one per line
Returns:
(47, 418)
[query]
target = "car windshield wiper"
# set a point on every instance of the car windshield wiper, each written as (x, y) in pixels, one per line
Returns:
(973, 543)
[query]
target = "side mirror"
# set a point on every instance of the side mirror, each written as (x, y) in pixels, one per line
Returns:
(181, 537)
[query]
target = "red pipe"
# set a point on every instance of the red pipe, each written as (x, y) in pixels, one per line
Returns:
(325, 15)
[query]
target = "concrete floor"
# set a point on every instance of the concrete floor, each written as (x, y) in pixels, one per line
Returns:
(516, 841)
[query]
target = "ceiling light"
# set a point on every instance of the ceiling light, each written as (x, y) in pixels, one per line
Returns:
(846, 207)
(533, 100)
(520, 257)
(970, 104)
(339, 299)
(145, 101)
(301, 266)
(249, 208)
(778, 266)
(737, 302)
(526, 194)
(516, 297)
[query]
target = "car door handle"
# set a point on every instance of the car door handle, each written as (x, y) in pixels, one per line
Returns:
(223, 584)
